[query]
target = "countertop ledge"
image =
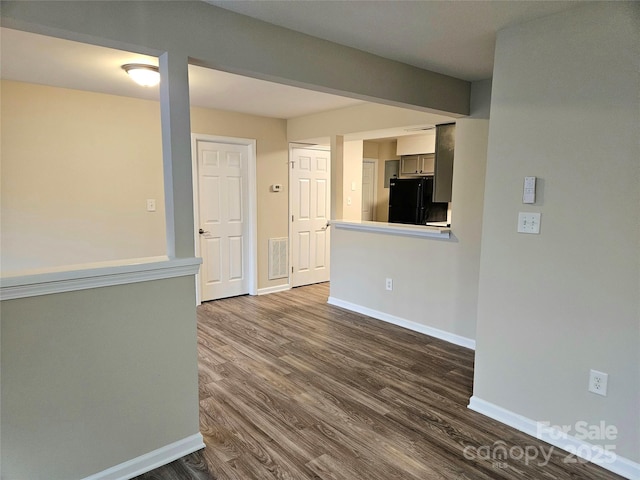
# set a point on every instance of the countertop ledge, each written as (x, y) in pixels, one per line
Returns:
(102, 274)
(398, 229)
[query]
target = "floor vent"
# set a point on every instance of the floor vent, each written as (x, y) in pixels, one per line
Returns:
(278, 258)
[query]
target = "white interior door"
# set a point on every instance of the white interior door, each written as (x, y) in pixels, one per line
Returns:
(368, 189)
(222, 212)
(310, 198)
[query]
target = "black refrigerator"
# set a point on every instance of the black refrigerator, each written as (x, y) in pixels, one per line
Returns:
(410, 201)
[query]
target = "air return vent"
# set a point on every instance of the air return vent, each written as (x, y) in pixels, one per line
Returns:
(278, 258)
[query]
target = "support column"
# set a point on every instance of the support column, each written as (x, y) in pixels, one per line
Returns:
(176, 154)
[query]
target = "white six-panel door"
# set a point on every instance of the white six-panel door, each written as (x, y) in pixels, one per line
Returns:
(222, 202)
(310, 197)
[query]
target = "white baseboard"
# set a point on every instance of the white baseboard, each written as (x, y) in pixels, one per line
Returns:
(149, 461)
(557, 438)
(408, 324)
(277, 288)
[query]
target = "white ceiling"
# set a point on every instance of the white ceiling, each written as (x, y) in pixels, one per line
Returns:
(453, 37)
(32, 58)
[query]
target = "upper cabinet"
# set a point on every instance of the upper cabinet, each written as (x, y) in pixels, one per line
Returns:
(417, 164)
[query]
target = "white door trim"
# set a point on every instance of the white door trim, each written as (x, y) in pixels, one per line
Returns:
(252, 207)
(375, 183)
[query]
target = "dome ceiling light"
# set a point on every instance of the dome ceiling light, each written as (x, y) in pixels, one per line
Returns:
(145, 75)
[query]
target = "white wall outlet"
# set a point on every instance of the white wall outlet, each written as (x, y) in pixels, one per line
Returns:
(348, 200)
(276, 187)
(389, 284)
(528, 222)
(598, 382)
(151, 205)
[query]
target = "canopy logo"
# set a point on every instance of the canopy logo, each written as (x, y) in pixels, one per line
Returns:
(499, 453)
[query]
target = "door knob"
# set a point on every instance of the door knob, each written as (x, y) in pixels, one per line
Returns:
(202, 232)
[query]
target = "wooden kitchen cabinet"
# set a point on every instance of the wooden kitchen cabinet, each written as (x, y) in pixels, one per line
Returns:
(417, 164)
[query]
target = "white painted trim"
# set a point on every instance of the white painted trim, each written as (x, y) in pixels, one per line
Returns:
(152, 460)
(252, 231)
(196, 209)
(276, 289)
(408, 324)
(397, 229)
(578, 447)
(94, 277)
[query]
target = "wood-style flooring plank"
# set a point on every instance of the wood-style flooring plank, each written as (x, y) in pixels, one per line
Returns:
(294, 388)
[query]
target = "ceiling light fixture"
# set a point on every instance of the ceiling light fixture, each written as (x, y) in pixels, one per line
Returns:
(145, 75)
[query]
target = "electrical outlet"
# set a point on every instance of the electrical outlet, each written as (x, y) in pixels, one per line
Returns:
(389, 284)
(598, 382)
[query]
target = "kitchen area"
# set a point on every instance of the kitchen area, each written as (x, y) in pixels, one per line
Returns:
(418, 268)
(410, 191)
(420, 181)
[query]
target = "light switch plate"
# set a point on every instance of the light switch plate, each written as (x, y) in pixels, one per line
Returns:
(528, 222)
(529, 190)
(151, 205)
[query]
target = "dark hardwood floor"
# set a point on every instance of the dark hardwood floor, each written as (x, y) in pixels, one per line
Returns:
(293, 388)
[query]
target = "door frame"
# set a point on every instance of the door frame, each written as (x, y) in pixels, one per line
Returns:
(292, 146)
(251, 209)
(375, 183)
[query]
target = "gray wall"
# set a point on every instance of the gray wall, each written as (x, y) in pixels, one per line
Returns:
(96, 377)
(552, 306)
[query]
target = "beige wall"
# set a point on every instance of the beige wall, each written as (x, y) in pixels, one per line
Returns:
(370, 149)
(111, 367)
(77, 169)
(272, 156)
(555, 305)
(80, 166)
